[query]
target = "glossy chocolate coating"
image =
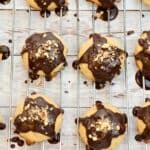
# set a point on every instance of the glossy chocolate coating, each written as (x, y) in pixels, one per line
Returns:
(2, 126)
(103, 62)
(102, 126)
(107, 9)
(38, 116)
(4, 50)
(144, 57)
(143, 113)
(44, 4)
(45, 53)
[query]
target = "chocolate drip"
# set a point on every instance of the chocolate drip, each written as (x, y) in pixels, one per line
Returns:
(17, 140)
(139, 80)
(104, 62)
(144, 57)
(108, 14)
(45, 53)
(45, 4)
(2, 126)
(4, 1)
(103, 126)
(143, 113)
(38, 116)
(107, 9)
(4, 50)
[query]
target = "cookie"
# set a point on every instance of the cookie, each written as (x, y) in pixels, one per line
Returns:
(103, 8)
(142, 59)
(142, 114)
(4, 52)
(44, 55)
(38, 118)
(100, 59)
(45, 6)
(147, 2)
(102, 127)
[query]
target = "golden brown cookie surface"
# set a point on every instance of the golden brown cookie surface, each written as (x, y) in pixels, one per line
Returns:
(45, 6)
(142, 58)
(38, 118)
(102, 127)
(44, 54)
(100, 59)
(147, 2)
(142, 113)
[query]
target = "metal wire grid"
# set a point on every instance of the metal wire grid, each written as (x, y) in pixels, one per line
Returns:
(78, 77)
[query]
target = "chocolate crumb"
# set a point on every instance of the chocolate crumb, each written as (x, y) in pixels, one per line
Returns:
(130, 32)
(66, 92)
(10, 41)
(12, 146)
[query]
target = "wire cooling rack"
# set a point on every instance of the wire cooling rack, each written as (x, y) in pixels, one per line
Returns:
(18, 21)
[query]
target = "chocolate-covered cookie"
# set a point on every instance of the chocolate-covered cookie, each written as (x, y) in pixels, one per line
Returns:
(142, 58)
(38, 118)
(44, 54)
(106, 10)
(45, 6)
(142, 114)
(100, 59)
(102, 127)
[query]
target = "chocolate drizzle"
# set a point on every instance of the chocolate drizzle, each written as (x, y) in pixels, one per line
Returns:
(38, 116)
(143, 113)
(144, 57)
(103, 60)
(107, 10)
(4, 1)
(103, 126)
(4, 50)
(44, 4)
(45, 53)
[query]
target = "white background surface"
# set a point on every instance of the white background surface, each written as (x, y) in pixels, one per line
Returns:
(13, 75)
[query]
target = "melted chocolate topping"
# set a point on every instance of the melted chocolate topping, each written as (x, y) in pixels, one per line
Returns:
(102, 59)
(4, 1)
(17, 140)
(143, 113)
(103, 126)
(139, 80)
(44, 4)
(45, 53)
(38, 116)
(144, 57)
(107, 9)
(2, 126)
(4, 50)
